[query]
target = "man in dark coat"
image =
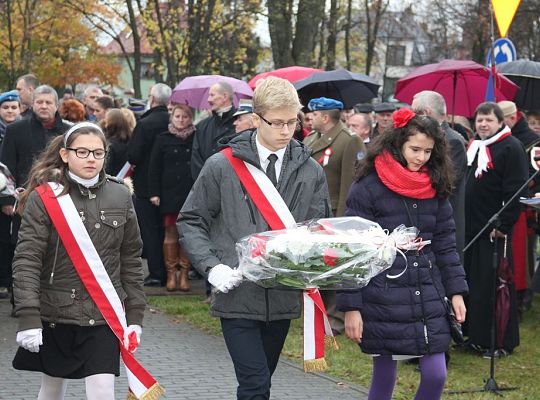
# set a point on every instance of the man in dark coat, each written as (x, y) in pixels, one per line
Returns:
(497, 169)
(213, 128)
(433, 104)
(523, 243)
(23, 142)
(26, 85)
(383, 117)
(151, 123)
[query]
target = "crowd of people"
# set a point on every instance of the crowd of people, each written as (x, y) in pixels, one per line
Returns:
(188, 206)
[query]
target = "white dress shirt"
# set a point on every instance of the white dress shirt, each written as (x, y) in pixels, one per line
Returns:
(263, 157)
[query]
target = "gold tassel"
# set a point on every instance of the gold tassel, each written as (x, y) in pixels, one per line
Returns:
(154, 393)
(317, 365)
(331, 341)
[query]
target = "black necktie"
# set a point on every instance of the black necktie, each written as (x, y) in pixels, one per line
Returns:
(271, 169)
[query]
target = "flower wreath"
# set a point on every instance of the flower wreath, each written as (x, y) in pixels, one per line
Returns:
(402, 117)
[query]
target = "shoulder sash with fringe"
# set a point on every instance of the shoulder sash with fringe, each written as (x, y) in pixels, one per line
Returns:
(278, 216)
(91, 270)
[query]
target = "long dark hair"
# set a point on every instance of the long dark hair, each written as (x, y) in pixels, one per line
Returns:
(50, 167)
(392, 139)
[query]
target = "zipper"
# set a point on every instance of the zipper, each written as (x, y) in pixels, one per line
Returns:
(51, 278)
(267, 307)
(251, 213)
(426, 338)
(295, 197)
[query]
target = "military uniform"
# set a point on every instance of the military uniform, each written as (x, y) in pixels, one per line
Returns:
(337, 151)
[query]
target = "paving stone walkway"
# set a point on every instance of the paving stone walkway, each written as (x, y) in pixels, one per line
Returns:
(189, 363)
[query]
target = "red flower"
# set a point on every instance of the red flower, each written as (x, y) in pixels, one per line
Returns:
(330, 257)
(402, 117)
(258, 246)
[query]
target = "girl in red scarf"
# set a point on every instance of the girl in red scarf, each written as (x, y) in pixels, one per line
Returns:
(406, 179)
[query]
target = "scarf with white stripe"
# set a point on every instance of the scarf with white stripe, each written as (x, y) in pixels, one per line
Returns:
(481, 147)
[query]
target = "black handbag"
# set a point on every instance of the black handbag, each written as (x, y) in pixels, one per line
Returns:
(455, 327)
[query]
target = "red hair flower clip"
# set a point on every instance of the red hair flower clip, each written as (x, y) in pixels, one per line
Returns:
(402, 117)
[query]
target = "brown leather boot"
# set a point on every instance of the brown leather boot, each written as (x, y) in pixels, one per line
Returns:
(170, 253)
(185, 264)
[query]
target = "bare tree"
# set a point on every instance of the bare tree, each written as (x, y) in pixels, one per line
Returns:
(525, 30)
(374, 11)
(332, 36)
(106, 19)
(280, 27)
(348, 26)
(308, 21)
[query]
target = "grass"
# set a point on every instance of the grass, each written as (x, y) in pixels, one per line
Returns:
(466, 370)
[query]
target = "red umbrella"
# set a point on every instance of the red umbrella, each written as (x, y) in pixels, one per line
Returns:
(292, 74)
(462, 84)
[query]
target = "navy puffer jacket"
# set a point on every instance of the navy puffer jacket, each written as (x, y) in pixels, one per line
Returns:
(406, 315)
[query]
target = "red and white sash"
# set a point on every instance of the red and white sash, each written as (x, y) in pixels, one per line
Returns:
(126, 171)
(91, 270)
(278, 216)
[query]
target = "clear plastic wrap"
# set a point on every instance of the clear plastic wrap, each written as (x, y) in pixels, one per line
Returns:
(7, 183)
(330, 253)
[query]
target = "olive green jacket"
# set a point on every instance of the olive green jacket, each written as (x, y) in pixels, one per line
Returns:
(346, 150)
(45, 284)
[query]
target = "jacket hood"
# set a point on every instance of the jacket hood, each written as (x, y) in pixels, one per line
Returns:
(244, 147)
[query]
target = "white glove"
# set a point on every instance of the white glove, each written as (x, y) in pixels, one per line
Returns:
(30, 339)
(224, 278)
(132, 337)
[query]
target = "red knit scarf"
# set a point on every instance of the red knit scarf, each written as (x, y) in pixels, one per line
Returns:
(399, 179)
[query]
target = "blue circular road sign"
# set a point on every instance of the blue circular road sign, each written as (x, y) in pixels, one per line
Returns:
(504, 51)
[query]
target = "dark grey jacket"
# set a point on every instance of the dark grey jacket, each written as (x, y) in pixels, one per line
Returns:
(61, 297)
(218, 212)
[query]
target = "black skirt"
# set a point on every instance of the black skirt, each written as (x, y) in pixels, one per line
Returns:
(73, 352)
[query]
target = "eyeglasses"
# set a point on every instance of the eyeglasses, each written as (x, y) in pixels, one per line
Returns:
(81, 152)
(279, 125)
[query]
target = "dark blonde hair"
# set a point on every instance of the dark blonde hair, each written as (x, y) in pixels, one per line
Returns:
(272, 93)
(50, 167)
(185, 108)
(117, 125)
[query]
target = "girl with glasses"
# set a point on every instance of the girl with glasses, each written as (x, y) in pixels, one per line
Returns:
(62, 332)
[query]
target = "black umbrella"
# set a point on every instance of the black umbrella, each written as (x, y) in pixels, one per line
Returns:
(502, 305)
(525, 74)
(346, 86)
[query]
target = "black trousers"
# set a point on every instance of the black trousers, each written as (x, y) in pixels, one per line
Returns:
(152, 233)
(7, 248)
(255, 347)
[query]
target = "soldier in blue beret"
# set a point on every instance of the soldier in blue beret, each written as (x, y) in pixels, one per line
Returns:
(324, 103)
(9, 110)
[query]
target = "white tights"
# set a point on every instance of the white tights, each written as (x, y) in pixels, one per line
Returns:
(98, 387)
